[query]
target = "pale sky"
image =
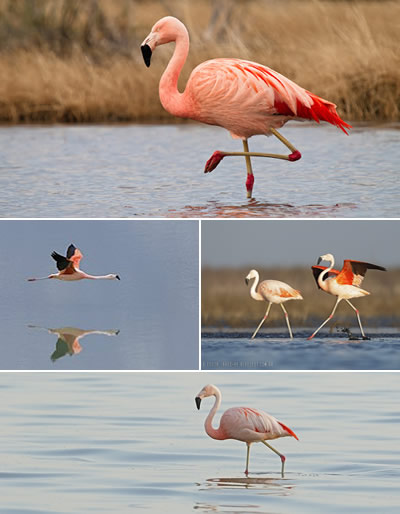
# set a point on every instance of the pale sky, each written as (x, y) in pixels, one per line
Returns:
(236, 243)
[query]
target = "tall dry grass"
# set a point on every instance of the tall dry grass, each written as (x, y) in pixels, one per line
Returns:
(226, 301)
(79, 60)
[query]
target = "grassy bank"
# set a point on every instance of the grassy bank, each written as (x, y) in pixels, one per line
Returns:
(226, 300)
(74, 60)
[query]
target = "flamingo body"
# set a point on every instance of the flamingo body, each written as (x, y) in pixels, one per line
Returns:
(272, 291)
(68, 267)
(243, 424)
(344, 284)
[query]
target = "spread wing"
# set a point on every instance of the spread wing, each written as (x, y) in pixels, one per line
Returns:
(74, 255)
(353, 272)
(62, 262)
(317, 270)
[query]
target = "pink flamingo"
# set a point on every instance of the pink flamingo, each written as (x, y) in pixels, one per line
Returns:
(272, 291)
(69, 268)
(243, 424)
(344, 284)
(244, 97)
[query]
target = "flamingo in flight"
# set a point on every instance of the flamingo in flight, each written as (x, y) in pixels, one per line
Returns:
(272, 291)
(243, 424)
(68, 267)
(344, 284)
(241, 96)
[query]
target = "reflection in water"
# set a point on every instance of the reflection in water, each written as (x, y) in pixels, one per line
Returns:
(68, 342)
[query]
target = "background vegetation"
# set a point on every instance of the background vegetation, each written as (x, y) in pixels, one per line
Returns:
(79, 60)
(226, 301)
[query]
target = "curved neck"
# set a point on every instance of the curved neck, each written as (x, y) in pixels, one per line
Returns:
(170, 97)
(212, 432)
(253, 291)
(321, 281)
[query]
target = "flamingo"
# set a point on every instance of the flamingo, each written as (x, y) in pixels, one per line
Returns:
(69, 268)
(344, 284)
(241, 96)
(243, 424)
(272, 291)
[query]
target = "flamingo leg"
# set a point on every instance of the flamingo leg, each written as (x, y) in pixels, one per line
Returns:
(286, 143)
(283, 458)
(287, 320)
(250, 176)
(358, 318)
(262, 321)
(247, 459)
(327, 319)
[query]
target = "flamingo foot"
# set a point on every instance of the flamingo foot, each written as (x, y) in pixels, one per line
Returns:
(249, 184)
(295, 156)
(213, 161)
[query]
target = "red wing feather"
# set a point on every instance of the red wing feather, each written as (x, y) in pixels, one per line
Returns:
(288, 430)
(353, 272)
(74, 255)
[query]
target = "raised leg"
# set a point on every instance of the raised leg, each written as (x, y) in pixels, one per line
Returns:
(295, 155)
(283, 458)
(287, 320)
(327, 319)
(250, 176)
(247, 459)
(358, 318)
(262, 321)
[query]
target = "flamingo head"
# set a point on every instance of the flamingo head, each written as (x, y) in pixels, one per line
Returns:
(166, 30)
(252, 274)
(326, 257)
(208, 390)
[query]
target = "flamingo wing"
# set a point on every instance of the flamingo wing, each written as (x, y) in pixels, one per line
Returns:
(317, 270)
(276, 288)
(74, 255)
(226, 90)
(62, 262)
(353, 272)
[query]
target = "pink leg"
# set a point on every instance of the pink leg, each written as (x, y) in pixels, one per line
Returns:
(326, 321)
(358, 318)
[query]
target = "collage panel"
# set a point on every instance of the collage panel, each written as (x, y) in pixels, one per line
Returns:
(136, 442)
(100, 294)
(300, 294)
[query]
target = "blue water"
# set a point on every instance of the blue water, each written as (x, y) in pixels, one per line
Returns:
(134, 442)
(274, 350)
(150, 317)
(157, 170)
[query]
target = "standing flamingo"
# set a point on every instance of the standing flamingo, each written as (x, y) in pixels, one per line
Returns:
(244, 97)
(272, 291)
(344, 284)
(243, 424)
(69, 268)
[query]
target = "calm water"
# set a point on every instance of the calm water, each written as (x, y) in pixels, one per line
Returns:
(147, 320)
(275, 350)
(157, 170)
(134, 442)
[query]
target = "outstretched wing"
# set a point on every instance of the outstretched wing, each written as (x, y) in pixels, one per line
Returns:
(74, 255)
(353, 272)
(317, 270)
(62, 262)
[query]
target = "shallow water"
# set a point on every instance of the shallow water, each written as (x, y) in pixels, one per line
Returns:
(157, 170)
(134, 442)
(275, 350)
(150, 317)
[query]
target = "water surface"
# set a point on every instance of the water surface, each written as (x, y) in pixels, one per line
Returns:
(157, 170)
(134, 442)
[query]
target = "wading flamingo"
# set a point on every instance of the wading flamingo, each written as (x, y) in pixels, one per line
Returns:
(243, 424)
(272, 291)
(241, 96)
(344, 284)
(69, 268)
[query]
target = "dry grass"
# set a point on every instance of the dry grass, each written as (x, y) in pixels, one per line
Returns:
(70, 60)
(226, 300)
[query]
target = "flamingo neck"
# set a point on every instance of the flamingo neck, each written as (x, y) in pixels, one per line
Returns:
(253, 290)
(321, 281)
(215, 433)
(171, 99)
(98, 277)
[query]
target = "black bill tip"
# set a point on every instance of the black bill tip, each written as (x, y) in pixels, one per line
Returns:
(146, 52)
(247, 281)
(117, 277)
(198, 402)
(319, 260)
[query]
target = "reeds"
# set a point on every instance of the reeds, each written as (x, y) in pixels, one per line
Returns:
(70, 60)
(226, 301)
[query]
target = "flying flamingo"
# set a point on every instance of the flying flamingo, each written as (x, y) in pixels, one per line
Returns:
(69, 268)
(244, 97)
(344, 284)
(272, 291)
(243, 424)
